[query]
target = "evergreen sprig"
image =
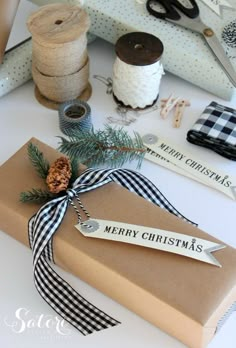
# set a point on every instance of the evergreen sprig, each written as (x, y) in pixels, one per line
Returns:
(111, 146)
(74, 162)
(42, 166)
(36, 196)
(37, 159)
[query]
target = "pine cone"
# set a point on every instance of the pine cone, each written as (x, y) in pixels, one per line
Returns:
(59, 175)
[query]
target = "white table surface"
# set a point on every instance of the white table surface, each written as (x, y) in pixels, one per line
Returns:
(23, 117)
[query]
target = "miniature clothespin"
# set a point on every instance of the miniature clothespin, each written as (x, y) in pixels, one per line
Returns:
(170, 103)
(167, 105)
(179, 111)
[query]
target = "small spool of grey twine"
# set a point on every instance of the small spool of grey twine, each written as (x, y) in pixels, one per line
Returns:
(74, 115)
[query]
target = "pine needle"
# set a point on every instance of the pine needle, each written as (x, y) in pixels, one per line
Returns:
(37, 159)
(111, 147)
(36, 196)
(74, 161)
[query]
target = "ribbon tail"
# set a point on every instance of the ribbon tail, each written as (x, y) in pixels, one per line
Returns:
(69, 304)
(45, 224)
(48, 250)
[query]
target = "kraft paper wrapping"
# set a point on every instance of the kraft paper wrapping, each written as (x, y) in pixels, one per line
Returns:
(184, 297)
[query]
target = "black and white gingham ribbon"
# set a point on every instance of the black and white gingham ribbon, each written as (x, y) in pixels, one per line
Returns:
(54, 290)
(216, 130)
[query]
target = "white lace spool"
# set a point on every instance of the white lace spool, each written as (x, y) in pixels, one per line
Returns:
(137, 70)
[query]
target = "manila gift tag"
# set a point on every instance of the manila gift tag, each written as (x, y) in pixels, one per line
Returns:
(177, 243)
(218, 5)
(164, 153)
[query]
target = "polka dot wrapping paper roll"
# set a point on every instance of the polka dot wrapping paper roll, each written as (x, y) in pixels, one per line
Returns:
(15, 68)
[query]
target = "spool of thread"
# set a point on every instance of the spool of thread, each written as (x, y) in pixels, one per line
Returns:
(137, 70)
(60, 64)
(74, 115)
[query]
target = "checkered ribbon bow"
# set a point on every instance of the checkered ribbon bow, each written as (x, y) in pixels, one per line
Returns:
(54, 290)
(216, 130)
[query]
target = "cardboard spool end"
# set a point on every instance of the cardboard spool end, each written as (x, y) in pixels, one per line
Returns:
(50, 104)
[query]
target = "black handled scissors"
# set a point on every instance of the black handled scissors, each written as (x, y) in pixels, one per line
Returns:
(189, 17)
(170, 7)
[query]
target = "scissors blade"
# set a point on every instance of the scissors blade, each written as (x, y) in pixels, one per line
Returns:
(220, 54)
(197, 25)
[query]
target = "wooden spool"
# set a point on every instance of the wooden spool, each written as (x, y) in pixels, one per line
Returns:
(136, 49)
(60, 64)
(139, 48)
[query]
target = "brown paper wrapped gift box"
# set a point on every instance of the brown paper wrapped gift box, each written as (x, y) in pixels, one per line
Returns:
(184, 297)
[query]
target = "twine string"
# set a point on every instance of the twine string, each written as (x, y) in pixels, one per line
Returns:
(78, 211)
(60, 64)
(60, 60)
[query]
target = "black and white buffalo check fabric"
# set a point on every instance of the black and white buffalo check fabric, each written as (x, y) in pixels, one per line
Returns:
(67, 302)
(216, 130)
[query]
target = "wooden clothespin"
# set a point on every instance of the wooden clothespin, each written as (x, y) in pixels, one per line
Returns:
(167, 105)
(179, 111)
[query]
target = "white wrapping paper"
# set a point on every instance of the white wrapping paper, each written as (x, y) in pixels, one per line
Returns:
(16, 67)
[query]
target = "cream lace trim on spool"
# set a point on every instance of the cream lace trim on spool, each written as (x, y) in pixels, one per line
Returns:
(136, 86)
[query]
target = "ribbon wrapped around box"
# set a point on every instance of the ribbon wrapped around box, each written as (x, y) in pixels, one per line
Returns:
(184, 297)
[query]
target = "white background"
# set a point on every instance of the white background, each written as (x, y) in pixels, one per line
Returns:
(23, 117)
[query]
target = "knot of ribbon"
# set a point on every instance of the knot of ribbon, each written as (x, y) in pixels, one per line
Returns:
(71, 193)
(43, 225)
